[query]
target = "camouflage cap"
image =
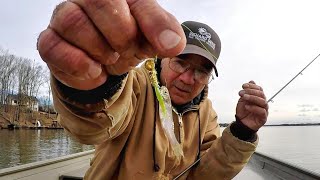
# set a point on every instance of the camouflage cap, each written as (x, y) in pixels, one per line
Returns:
(202, 40)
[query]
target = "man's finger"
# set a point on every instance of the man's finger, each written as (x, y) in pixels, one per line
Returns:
(120, 22)
(70, 81)
(251, 85)
(69, 59)
(74, 26)
(123, 65)
(252, 99)
(115, 22)
(252, 92)
(161, 29)
(257, 110)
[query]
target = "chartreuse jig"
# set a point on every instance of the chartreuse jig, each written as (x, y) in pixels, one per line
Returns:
(165, 106)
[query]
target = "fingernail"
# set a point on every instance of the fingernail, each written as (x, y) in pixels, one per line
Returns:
(112, 58)
(246, 96)
(242, 92)
(94, 70)
(169, 39)
(246, 85)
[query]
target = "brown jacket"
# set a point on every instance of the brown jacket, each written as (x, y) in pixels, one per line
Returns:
(122, 127)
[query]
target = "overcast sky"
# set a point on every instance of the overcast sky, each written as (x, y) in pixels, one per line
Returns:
(267, 41)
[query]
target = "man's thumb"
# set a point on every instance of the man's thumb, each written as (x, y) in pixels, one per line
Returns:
(160, 28)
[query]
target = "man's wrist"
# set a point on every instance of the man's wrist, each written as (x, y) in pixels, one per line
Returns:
(105, 91)
(243, 132)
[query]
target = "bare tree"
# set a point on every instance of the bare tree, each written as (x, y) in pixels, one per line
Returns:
(49, 92)
(24, 77)
(8, 64)
(37, 79)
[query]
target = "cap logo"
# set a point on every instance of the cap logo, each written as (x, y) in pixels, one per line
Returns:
(203, 36)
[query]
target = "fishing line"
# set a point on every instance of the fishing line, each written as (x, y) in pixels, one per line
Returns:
(300, 73)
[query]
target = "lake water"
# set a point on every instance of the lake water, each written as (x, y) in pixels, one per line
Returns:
(25, 146)
(297, 145)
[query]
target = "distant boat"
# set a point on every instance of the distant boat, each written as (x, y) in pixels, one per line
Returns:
(73, 167)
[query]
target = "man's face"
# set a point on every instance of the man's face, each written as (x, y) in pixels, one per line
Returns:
(183, 87)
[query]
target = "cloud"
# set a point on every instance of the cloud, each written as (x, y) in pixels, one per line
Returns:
(305, 105)
(305, 110)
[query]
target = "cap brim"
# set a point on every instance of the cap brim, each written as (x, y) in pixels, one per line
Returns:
(193, 49)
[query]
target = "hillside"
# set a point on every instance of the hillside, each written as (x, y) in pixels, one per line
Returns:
(26, 119)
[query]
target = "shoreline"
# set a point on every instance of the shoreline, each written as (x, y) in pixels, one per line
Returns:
(29, 127)
(297, 124)
(285, 124)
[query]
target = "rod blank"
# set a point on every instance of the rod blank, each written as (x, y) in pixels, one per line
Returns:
(300, 73)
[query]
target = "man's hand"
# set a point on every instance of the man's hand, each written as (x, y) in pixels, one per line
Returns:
(252, 107)
(87, 40)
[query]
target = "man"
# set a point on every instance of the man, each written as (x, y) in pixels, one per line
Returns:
(120, 113)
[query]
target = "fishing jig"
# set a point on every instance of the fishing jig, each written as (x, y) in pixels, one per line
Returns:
(163, 97)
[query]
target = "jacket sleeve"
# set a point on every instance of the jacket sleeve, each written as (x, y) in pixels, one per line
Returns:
(94, 123)
(222, 157)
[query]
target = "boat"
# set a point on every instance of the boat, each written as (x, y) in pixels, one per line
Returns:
(70, 167)
(73, 167)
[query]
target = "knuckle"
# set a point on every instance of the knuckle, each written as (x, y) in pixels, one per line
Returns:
(109, 58)
(142, 8)
(267, 107)
(126, 50)
(58, 8)
(96, 4)
(127, 35)
(47, 43)
(71, 18)
(261, 94)
(77, 66)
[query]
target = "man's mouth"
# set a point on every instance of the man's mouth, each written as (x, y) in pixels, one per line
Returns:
(183, 90)
(182, 87)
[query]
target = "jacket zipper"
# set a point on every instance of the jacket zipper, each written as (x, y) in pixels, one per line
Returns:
(180, 127)
(180, 122)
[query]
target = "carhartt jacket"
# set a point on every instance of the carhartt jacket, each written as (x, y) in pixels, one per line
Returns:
(130, 142)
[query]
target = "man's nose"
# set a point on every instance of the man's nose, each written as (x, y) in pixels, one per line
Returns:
(187, 77)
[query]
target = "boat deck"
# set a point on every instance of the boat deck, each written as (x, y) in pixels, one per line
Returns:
(73, 167)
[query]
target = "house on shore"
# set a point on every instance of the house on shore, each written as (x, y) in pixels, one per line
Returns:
(29, 102)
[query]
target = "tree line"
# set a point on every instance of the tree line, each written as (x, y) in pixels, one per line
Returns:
(22, 77)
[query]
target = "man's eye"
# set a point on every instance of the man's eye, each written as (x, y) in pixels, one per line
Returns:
(202, 72)
(182, 64)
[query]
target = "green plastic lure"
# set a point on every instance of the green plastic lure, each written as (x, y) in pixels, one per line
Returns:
(150, 66)
(165, 106)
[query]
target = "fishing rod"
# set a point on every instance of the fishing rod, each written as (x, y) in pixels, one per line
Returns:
(300, 73)
(187, 169)
(270, 100)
